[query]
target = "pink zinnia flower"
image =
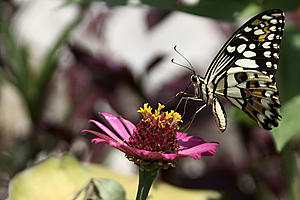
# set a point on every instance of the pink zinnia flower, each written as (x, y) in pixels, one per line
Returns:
(154, 140)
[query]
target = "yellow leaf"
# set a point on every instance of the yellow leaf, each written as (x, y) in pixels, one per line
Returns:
(61, 178)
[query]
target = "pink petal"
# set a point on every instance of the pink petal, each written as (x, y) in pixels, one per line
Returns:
(188, 145)
(101, 135)
(98, 140)
(150, 155)
(181, 136)
(117, 125)
(105, 139)
(188, 141)
(204, 149)
(195, 146)
(130, 126)
(106, 130)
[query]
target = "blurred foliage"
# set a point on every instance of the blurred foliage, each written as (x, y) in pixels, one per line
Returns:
(61, 178)
(289, 126)
(289, 69)
(17, 69)
(216, 9)
(243, 117)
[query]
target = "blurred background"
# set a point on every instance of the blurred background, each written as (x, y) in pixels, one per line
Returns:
(62, 62)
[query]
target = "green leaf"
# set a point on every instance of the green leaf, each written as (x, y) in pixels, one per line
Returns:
(289, 125)
(286, 5)
(217, 9)
(116, 2)
(71, 2)
(289, 70)
(15, 56)
(108, 2)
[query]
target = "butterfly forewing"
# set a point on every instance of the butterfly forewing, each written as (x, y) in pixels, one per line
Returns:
(243, 71)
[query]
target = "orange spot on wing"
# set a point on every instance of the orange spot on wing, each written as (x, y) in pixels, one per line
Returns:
(258, 92)
(261, 38)
(249, 112)
(256, 22)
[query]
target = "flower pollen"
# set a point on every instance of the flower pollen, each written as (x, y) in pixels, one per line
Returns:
(156, 132)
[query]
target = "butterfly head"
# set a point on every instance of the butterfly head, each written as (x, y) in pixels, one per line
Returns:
(197, 82)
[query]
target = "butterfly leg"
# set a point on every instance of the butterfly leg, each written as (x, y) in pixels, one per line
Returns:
(179, 93)
(183, 93)
(191, 96)
(188, 125)
(185, 103)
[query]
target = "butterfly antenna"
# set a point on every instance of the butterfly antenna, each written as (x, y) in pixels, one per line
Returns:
(190, 64)
(172, 60)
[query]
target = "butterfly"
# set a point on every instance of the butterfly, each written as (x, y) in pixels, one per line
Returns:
(243, 72)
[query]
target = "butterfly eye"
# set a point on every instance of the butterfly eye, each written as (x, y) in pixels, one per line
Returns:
(194, 78)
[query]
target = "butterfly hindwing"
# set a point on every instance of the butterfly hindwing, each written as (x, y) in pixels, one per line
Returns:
(256, 94)
(243, 71)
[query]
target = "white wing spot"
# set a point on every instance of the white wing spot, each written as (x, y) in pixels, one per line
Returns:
(247, 29)
(280, 21)
(262, 83)
(272, 28)
(231, 81)
(241, 48)
(268, 114)
(266, 17)
(271, 36)
(252, 46)
(233, 70)
(261, 117)
(279, 28)
(276, 55)
(277, 37)
(268, 64)
(249, 54)
(275, 46)
(265, 103)
(269, 93)
(273, 21)
(241, 101)
(246, 63)
(275, 66)
(259, 32)
(234, 92)
(276, 14)
(230, 49)
(267, 54)
(244, 38)
(266, 45)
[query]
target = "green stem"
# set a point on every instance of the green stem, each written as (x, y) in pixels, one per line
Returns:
(146, 178)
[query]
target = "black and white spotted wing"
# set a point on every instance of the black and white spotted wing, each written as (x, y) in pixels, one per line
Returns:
(243, 71)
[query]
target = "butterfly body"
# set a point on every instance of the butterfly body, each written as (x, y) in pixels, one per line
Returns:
(243, 72)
